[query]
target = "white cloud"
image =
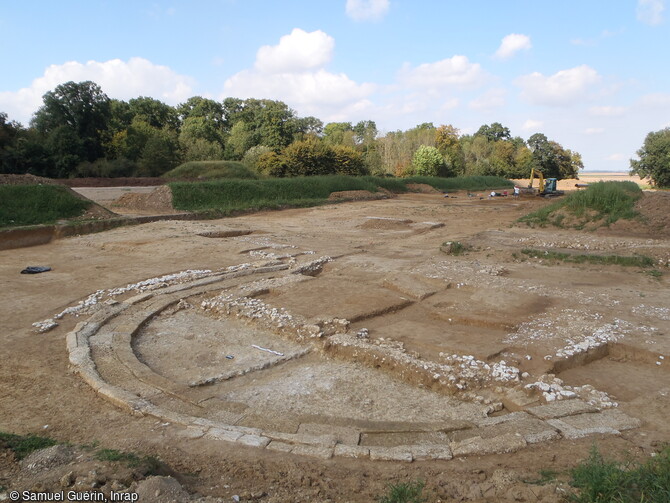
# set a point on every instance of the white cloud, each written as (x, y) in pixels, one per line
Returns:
(450, 104)
(367, 10)
(511, 44)
(455, 71)
(655, 100)
(490, 100)
(607, 111)
(616, 157)
(532, 125)
(295, 52)
(292, 71)
(650, 11)
(118, 79)
(562, 88)
(594, 130)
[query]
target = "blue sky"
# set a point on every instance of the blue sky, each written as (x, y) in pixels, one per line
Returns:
(590, 74)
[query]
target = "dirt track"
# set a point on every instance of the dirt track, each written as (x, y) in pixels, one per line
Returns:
(489, 303)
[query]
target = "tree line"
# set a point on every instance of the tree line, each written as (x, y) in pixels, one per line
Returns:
(80, 131)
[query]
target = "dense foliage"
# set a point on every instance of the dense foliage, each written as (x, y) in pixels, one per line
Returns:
(80, 131)
(654, 157)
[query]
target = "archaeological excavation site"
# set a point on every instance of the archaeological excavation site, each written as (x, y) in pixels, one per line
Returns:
(322, 354)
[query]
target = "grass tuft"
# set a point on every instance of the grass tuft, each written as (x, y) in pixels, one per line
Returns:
(606, 481)
(22, 445)
(405, 492)
(149, 464)
(601, 201)
(38, 204)
(626, 261)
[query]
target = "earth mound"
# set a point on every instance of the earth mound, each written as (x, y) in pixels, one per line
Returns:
(158, 200)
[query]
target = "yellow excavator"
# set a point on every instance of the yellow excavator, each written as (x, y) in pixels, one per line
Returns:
(546, 186)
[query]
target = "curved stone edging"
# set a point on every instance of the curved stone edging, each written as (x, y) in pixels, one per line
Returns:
(566, 419)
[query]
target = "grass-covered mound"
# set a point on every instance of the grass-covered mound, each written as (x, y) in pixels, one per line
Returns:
(602, 203)
(232, 195)
(211, 170)
(462, 182)
(38, 204)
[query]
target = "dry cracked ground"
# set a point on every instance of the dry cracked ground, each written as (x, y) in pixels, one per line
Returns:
(322, 354)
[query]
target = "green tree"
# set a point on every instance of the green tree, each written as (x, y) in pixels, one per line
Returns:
(348, 161)
(309, 157)
(447, 141)
(654, 158)
(365, 132)
(84, 110)
(427, 161)
(252, 156)
(339, 133)
(494, 132)
(154, 112)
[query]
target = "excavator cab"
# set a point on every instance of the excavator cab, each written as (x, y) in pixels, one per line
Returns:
(546, 187)
(550, 185)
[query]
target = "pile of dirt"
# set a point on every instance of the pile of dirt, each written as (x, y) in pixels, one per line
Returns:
(386, 223)
(655, 217)
(356, 195)
(422, 188)
(26, 180)
(158, 200)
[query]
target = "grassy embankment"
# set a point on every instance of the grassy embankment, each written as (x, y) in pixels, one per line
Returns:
(226, 196)
(210, 170)
(602, 203)
(37, 204)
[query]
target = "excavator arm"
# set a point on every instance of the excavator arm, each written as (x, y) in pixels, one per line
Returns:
(537, 173)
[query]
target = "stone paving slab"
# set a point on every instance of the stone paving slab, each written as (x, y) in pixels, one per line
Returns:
(561, 408)
(426, 452)
(393, 439)
(400, 453)
(352, 451)
(342, 434)
(276, 445)
(313, 451)
(253, 440)
(508, 442)
(610, 421)
(302, 438)
(225, 435)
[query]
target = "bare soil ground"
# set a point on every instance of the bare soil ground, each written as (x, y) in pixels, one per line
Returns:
(603, 326)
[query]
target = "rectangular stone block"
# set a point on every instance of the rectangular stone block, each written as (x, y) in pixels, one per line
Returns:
(276, 445)
(509, 442)
(254, 440)
(610, 421)
(425, 452)
(392, 439)
(400, 453)
(342, 434)
(313, 451)
(562, 408)
(225, 435)
(136, 299)
(301, 438)
(570, 432)
(352, 451)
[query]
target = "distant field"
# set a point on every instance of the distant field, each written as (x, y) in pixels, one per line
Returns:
(592, 177)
